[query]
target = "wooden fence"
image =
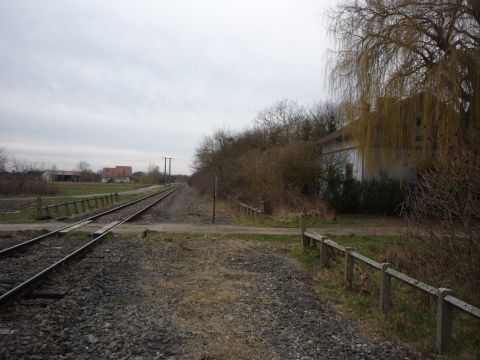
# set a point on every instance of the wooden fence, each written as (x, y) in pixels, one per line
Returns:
(249, 210)
(74, 207)
(445, 299)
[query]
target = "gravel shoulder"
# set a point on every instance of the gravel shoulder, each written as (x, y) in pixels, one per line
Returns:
(185, 297)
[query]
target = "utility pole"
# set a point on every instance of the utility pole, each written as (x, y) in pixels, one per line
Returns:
(214, 199)
(169, 171)
(165, 172)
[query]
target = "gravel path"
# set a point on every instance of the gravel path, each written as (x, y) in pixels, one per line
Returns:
(186, 206)
(187, 297)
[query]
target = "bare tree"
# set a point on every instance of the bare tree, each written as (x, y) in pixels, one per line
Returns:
(3, 160)
(83, 166)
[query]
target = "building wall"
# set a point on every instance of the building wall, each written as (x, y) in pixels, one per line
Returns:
(344, 150)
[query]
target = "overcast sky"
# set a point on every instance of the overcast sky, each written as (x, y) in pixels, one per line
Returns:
(118, 82)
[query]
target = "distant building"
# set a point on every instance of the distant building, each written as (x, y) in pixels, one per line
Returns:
(61, 175)
(117, 174)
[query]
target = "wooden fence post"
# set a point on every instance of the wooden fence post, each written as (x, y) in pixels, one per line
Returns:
(112, 199)
(444, 320)
(303, 238)
(96, 202)
(323, 253)
(75, 207)
(39, 207)
(385, 289)
(83, 205)
(67, 209)
(116, 196)
(349, 265)
(262, 207)
(102, 200)
(57, 211)
(47, 212)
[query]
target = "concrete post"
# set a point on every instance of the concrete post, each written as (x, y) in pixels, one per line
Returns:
(323, 253)
(385, 289)
(39, 207)
(349, 265)
(303, 238)
(444, 320)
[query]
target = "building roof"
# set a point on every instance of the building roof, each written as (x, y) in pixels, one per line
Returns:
(118, 171)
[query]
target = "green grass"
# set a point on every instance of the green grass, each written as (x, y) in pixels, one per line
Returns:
(28, 214)
(87, 188)
(292, 221)
(412, 319)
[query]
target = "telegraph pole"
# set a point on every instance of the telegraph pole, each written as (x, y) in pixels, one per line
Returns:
(169, 171)
(214, 199)
(165, 172)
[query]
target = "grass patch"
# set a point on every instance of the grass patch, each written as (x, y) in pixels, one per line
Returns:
(19, 211)
(292, 221)
(413, 317)
(86, 188)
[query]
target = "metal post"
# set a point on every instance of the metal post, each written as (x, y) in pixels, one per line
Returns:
(169, 171)
(444, 320)
(385, 289)
(165, 173)
(349, 265)
(214, 199)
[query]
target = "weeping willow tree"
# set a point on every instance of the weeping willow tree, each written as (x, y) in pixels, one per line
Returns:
(410, 72)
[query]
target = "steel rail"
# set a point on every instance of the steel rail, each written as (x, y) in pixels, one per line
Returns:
(17, 247)
(30, 284)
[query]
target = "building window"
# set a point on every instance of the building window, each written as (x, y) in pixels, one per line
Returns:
(349, 171)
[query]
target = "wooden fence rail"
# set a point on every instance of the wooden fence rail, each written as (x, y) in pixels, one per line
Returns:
(249, 210)
(445, 300)
(86, 204)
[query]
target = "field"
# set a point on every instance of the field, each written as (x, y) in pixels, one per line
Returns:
(88, 188)
(24, 209)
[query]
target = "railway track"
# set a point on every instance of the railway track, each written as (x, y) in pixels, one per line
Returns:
(36, 268)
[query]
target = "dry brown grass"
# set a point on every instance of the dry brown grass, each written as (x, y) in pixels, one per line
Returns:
(205, 292)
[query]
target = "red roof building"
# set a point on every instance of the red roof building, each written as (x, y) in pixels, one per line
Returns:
(117, 174)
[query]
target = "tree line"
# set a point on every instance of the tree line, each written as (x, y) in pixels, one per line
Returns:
(277, 159)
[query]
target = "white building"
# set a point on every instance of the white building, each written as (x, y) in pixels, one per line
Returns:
(341, 146)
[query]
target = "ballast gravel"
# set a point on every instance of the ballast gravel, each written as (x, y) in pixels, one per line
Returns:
(185, 297)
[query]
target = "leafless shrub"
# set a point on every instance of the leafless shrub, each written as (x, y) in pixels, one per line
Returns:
(444, 213)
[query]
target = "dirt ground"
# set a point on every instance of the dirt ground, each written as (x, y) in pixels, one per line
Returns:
(185, 297)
